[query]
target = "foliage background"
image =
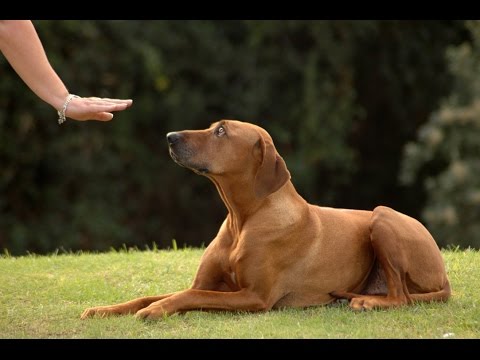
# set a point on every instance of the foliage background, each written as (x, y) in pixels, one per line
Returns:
(447, 150)
(340, 98)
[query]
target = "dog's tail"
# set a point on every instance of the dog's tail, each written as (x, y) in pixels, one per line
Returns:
(441, 295)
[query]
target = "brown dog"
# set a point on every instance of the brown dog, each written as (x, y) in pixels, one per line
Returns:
(275, 250)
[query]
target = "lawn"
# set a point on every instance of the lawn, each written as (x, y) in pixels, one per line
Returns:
(43, 297)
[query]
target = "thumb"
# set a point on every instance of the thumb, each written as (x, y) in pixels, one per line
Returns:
(103, 116)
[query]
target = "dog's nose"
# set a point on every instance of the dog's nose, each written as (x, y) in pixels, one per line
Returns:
(172, 138)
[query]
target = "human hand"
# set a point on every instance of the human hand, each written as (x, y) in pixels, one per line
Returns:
(94, 108)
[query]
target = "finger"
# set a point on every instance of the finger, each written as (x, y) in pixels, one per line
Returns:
(106, 106)
(119, 101)
(96, 108)
(115, 107)
(97, 100)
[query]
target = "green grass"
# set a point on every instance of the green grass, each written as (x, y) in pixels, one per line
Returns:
(43, 297)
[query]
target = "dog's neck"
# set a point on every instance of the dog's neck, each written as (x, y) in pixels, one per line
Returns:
(240, 200)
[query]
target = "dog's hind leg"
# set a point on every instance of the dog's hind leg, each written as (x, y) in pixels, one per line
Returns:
(411, 262)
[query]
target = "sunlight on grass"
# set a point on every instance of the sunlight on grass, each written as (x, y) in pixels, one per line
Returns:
(43, 297)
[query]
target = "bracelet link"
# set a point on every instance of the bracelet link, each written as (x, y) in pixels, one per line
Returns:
(61, 113)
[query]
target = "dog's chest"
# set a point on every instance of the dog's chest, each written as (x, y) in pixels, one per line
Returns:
(235, 259)
(233, 277)
(232, 266)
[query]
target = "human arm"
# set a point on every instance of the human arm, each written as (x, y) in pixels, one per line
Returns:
(20, 44)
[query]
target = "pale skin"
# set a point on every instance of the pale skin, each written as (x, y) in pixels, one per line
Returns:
(21, 46)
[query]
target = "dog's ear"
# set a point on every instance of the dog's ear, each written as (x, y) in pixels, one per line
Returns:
(272, 173)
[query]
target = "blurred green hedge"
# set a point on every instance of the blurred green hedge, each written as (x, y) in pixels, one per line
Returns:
(446, 153)
(340, 98)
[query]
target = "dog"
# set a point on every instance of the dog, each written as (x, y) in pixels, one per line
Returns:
(275, 250)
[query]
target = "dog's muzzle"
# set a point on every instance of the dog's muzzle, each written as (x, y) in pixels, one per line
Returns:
(173, 138)
(181, 153)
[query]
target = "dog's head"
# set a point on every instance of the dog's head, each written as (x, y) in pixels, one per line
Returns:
(231, 148)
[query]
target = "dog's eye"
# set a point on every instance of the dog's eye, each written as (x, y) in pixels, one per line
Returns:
(220, 131)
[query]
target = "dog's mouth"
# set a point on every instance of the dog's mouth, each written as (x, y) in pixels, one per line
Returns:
(175, 157)
(201, 171)
(198, 170)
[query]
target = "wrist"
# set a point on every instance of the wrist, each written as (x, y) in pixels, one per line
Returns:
(61, 112)
(58, 101)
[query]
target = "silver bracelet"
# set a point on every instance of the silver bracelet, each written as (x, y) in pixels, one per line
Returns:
(61, 114)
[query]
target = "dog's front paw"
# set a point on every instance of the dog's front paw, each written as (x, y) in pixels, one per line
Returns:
(101, 311)
(150, 313)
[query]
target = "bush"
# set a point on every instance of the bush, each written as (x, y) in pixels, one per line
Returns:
(446, 153)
